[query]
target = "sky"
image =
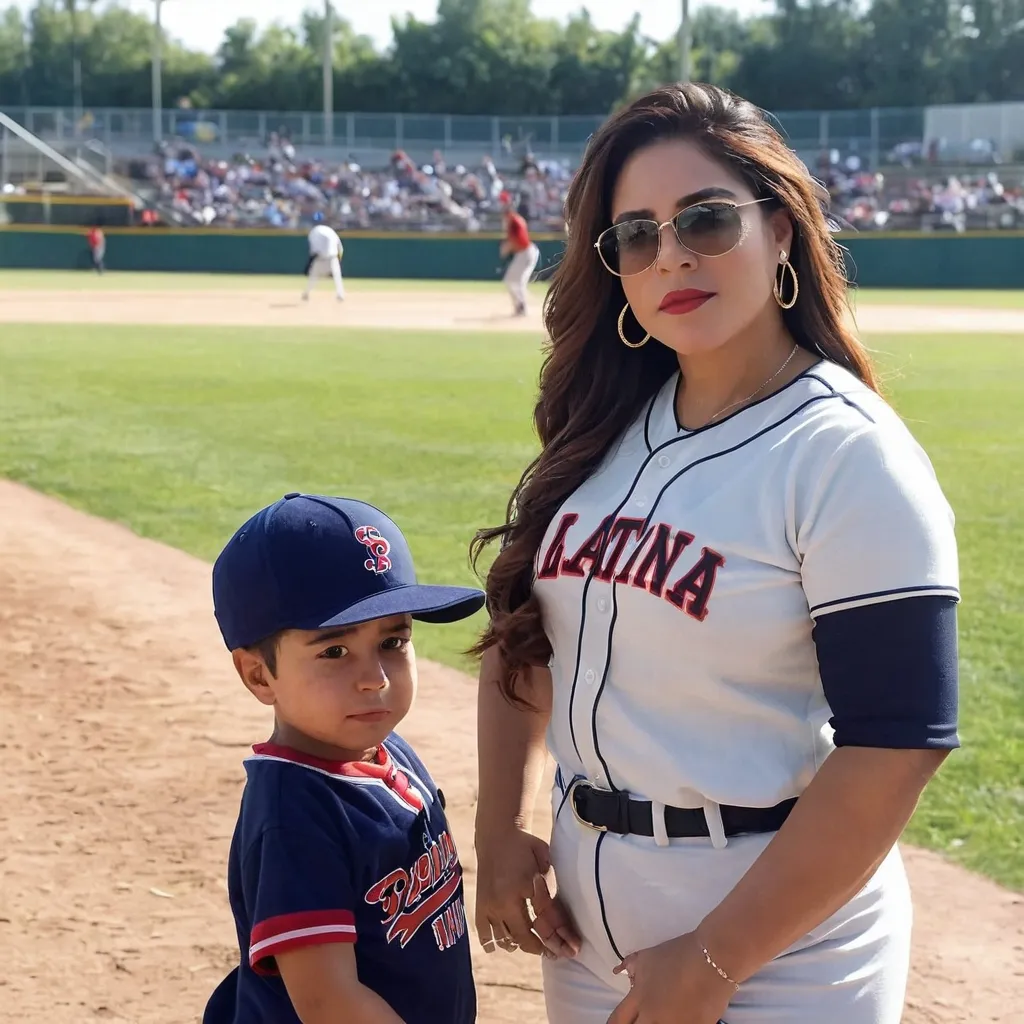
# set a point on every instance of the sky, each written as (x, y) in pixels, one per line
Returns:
(200, 23)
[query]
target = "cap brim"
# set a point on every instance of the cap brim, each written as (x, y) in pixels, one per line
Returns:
(422, 602)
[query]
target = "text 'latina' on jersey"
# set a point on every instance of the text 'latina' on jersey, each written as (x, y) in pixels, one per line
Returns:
(648, 566)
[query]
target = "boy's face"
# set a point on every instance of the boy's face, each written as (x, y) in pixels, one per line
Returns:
(337, 693)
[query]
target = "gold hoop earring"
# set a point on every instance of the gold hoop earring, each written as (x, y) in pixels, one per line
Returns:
(622, 333)
(780, 279)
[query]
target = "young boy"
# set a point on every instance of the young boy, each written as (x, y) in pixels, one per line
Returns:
(344, 882)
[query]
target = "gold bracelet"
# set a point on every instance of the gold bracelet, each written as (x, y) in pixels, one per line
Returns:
(711, 963)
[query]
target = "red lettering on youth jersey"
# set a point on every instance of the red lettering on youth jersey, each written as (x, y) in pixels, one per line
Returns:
(450, 926)
(648, 566)
(408, 898)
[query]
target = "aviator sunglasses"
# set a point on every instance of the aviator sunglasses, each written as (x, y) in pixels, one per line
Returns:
(709, 228)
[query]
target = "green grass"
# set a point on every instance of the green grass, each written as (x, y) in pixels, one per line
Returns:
(964, 406)
(979, 299)
(181, 433)
(83, 280)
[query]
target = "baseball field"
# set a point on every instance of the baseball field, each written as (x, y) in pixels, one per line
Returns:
(143, 417)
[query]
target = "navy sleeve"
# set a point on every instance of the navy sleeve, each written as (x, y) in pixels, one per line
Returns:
(890, 673)
(298, 891)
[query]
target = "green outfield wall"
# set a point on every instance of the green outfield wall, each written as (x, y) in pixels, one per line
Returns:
(877, 260)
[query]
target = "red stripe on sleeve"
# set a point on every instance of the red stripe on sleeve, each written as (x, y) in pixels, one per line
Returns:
(294, 931)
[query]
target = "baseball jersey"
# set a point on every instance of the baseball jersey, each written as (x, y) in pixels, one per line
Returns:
(692, 584)
(346, 852)
(518, 235)
(324, 242)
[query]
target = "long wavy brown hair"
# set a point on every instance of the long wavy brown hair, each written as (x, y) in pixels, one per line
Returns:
(591, 386)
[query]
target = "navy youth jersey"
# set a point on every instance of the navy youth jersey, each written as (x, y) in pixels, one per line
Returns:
(358, 852)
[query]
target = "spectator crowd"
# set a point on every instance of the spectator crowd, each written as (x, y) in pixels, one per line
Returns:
(281, 188)
(913, 200)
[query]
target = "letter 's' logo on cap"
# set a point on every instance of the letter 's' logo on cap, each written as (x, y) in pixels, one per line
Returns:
(378, 547)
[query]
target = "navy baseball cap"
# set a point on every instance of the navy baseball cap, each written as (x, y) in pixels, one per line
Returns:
(312, 562)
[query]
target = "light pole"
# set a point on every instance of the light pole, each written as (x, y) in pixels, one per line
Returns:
(158, 89)
(685, 72)
(328, 73)
(76, 67)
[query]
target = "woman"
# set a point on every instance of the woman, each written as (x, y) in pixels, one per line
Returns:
(726, 593)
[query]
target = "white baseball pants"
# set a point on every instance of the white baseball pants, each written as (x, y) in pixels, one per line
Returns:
(325, 266)
(518, 275)
(627, 893)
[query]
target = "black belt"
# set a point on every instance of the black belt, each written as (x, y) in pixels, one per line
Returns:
(606, 811)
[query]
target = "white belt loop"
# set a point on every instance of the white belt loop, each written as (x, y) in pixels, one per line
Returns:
(716, 829)
(658, 821)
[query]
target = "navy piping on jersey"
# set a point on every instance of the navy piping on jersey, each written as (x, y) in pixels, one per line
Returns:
(600, 689)
(931, 587)
(600, 895)
(647, 420)
(647, 522)
(579, 638)
(739, 412)
(684, 436)
(560, 782)
(845, 398)
(736, 447)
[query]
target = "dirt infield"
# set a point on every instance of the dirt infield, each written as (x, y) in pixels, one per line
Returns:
(125, 731)
(124, 734)
(439, 309)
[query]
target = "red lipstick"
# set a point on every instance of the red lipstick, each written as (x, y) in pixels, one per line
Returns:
(686, 301)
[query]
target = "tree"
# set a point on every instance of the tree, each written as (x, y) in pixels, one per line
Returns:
(13, 54)
(806, 55)
(718, 38)
(499, 57)
(914, 53)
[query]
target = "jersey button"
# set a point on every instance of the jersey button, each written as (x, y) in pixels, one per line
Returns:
(664, 461)
(602, 605)
(590, 675)
(640, 503)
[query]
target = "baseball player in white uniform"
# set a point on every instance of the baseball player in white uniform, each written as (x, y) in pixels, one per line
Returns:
(325, 253)
(745, 595)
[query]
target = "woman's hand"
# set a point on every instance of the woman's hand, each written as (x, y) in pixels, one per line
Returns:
(511, 869)
(666, 978)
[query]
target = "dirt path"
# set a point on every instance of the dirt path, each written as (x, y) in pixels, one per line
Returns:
(122, 747)
(440, 310)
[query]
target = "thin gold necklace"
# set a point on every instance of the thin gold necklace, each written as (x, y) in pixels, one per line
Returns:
(753, 394)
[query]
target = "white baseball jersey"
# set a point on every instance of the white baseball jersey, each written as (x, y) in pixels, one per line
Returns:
(324, 242)
(681, 583)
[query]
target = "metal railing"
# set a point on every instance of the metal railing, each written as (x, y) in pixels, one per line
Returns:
(875, 137)
(868, 134)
